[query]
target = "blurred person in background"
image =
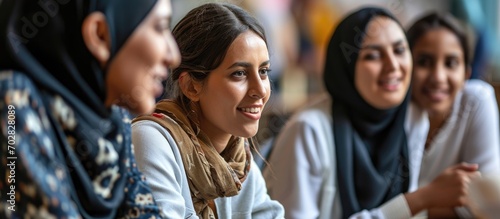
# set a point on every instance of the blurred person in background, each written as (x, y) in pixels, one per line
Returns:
(64, 66)
(346, 155)
(458, 117)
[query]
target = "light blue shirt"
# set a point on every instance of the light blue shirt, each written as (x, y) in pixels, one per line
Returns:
(159, 159)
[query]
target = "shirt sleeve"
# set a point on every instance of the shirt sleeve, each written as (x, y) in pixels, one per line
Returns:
(294, 175)
(157, 161)
(263, 206)
(481, 143)
(139, 201)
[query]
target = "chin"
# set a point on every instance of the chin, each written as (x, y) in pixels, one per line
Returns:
(144, 107)
(247, 133)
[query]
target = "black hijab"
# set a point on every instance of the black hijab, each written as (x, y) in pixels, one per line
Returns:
(371, 147)
(43, 40)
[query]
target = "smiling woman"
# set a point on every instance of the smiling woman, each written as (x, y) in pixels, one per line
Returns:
(347, 155)
(195, 149)
(459, 116)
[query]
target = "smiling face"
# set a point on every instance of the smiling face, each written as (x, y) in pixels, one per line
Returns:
(439, 72)
(135, 74)
(234, 94)
(383, 68)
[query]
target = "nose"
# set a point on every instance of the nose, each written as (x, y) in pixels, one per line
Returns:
(173, 57)
(257, 87)
(390, 62)
(438, 73)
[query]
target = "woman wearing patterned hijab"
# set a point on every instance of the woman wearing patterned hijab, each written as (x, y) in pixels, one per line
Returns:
(346, 155)
(64, 66)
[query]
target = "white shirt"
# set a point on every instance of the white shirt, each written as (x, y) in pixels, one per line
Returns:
(470, 134)
(302, 171)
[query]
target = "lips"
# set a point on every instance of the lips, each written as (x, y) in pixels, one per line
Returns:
(158, 78)
(436, 94)
(390, 84)
(251, 112)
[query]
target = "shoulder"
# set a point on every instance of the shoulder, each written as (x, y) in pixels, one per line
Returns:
(17, 88)
(477, 90)
(151, 139)
(13, 79)
(475, 96)
(152, 130)
(317, 111)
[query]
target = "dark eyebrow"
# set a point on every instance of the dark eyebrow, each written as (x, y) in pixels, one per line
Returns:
(377, 47)
(424, 55)
(246, 64)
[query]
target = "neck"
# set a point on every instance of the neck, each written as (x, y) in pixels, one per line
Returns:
(217, 137)
(219, 141)
(436, 121)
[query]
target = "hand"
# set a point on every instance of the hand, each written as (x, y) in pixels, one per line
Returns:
(450, 188)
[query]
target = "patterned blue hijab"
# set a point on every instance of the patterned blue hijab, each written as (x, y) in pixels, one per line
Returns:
(371, 147)
(43, 41)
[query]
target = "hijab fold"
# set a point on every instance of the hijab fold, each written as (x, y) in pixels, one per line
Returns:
(43, 40)
(371, 147)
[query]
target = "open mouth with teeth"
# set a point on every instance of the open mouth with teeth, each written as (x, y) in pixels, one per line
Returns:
(390, 84)
(253, 110)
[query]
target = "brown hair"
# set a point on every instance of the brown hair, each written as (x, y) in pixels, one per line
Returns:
(204, 36)
(436, 20)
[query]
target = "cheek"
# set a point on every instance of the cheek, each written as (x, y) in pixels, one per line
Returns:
(419, 76)
(457, 81)
(268, 94)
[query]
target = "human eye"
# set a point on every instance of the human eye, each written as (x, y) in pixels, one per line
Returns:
(162, 26)
(423, 61)
(264, 72)
(451, 62)
(400, 50)
(372, 55)
(238, 74)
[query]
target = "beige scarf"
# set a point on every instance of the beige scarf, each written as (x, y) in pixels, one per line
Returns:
(210, 174)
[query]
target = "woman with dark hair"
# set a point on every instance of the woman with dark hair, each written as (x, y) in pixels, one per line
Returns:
(63, 67)
(347, 155)
(195, 148)
(458, 116)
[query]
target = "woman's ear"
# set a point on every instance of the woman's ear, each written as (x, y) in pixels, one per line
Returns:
(95, 34)
(189, 87)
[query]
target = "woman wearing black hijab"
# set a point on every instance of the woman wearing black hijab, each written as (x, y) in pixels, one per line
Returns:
(64, 66)
(346, 155)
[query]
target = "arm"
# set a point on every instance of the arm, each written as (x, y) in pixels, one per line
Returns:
(138, 201)
(162, 167)
(448, 190)
(481, 143)
(294, 176)
(262, 206)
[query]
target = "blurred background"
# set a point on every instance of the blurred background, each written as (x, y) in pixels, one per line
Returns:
(298, 32)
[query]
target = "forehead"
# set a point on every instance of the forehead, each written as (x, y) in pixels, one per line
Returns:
(383, 30)
(248, 46)
(438, 38)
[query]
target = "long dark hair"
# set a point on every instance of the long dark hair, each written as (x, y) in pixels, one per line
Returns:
(434, 21)
(204, 36)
